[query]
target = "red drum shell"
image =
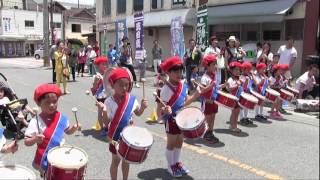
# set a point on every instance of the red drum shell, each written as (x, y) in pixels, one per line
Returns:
(286, 95)
(227, 100)
(248, 101)
(271, 95)
(294, 91)
(259, 97)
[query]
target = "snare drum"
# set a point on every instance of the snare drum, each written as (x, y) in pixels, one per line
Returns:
(16, 172)
(271, 95)
(294, 91)
(227, 100)
(286, 95)
(66, 162)
(190, 121)
(134, 144)
(260, 98)
(247, 101)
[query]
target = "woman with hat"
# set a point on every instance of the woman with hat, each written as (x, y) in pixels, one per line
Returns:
(234, 52)
(126, 54)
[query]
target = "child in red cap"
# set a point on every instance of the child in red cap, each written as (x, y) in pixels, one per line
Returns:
(210, 108)
(277, 82)
(261, 83)
(174, 94)
(98, 88)
(117, 113)
(234, 87)
(48, 128)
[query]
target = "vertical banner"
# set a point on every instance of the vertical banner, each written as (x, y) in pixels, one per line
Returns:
(121, 31)
(202, 28)
(104, 42)
(177, 38)
(138, 25)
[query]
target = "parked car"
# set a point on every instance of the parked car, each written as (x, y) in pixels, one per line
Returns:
(38, 53)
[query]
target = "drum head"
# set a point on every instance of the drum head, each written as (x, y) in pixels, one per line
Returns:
(249, 97)
(67, 157)
(273, 92)
(256, 94)
(16, 172)
(137, 136)
(228, 95)
(189, 118)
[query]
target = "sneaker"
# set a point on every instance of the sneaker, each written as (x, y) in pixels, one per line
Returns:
(249, 121)
(137, 85)
(209, 136)
(264, 117)
(279, 114)
(282, 111)
(67, 92)
(274, 115)
(182, 168)
(104, 132)
(258, 117)
(244, 121)
(174, 171)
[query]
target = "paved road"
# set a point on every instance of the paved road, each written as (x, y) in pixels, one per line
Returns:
(275, 150)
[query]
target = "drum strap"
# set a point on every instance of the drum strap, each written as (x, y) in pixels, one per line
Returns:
(53, 136)
(177, 99)
(121, 117)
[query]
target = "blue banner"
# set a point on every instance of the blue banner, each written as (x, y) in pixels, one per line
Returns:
(121, 31)
(177, 38)
(138, 24)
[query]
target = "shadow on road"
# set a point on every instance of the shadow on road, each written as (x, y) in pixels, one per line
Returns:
(198, 142)
(95, 134)
(248, 125)
(228, 131)
(263, 122)
(159, 173)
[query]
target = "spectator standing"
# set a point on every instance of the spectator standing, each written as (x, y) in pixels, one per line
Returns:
(82, 58)
(192, 58)
(288, 55)
(61, 68)
(91, 55)
(53, 62)
(126, 54)
(266, 55)
(157, 55)
(72, 53)
(112, 53)
(232, 52)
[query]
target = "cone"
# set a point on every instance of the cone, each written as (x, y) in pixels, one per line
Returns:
(153, 117)
(96, 126)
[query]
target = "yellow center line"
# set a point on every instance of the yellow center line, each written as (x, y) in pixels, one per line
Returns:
(230, 161)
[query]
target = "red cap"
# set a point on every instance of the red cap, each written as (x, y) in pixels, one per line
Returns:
(246, 65)
(284, 67)
(276, 66)
(45, 89)
(235, 64)
(101, 59)
(261, 66)
(209, 59)
(170, 63)
(119, 73)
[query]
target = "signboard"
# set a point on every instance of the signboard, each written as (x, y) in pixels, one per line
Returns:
(202, 27)
(177, 38)
(121, 31)
(139, 40)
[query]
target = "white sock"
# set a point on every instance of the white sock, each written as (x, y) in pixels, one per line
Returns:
(257, 110)
(170, 157)
(245, 113)
(261, 110)
(241, 114)
(176, 156)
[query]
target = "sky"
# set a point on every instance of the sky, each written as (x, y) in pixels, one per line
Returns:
(76, 1)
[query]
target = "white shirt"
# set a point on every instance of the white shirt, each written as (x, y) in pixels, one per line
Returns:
(111, 107)
(286, 55)
(305, 80)
(4, 100)
(232, 83)
(206, 79)
(92, 54)
(32, 129)
(211, 50)
(166, 92)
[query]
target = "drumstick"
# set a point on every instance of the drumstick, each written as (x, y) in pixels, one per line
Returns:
(160, 100)
(196, 83)
(88, 93)
(74, 110)
(35, 109)
(143, 80)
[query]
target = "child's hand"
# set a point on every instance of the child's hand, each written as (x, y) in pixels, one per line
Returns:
(144, 104)
(167, 110)
(76, 127)
(39, 138)
(100, 105)
(12, 147)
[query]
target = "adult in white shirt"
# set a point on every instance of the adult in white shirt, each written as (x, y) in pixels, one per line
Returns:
(91, 54)
(288, 55)
(306, 82)
(214, 49)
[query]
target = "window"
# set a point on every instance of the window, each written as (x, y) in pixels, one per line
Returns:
(157, 4)
(94, 28)
(121, 6)
(176, 2)
(138, 5)
(29, 24)
(252, 36)
(294, 28)
(106, 7)
(56, 25)
(76, 28)
(271, 35)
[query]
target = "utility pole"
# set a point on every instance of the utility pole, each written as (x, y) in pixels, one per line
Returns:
(78, 4)
(46, 62)
(51, 23)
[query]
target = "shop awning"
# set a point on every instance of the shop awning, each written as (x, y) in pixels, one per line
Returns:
(10, 37)
(163, 18)
(255, 12)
